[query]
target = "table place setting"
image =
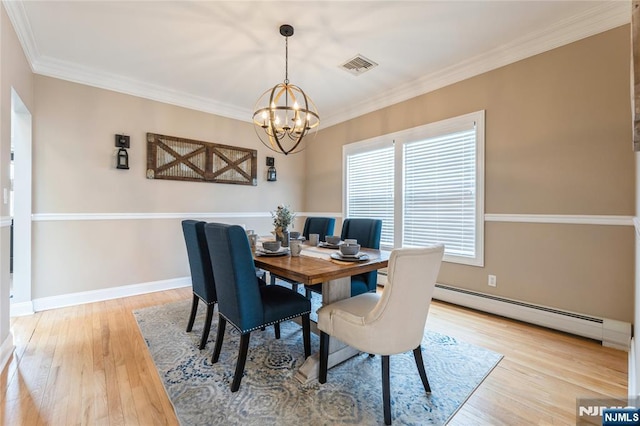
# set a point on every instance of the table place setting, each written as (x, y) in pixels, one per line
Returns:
(271, 248)
(358, 257)
(329, 246)
(331, 242)
(281, 252)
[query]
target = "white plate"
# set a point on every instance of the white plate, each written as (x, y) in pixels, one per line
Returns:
(328, 245)
(281, 252)
(350, 258)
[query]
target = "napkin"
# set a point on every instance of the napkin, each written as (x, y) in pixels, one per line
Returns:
(315, 253)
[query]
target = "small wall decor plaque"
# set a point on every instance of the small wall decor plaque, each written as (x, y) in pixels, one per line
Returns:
(170, 157)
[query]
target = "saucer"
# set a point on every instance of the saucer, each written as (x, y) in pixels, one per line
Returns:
(350, 258)
(328, 245)
(263, 252)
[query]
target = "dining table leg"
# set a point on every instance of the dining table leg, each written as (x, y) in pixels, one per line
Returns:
(332, 291)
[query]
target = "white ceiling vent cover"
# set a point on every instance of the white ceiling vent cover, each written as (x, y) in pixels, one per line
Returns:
(358, 65)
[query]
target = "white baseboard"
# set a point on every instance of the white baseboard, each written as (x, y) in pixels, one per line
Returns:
(45, 303)
(6, 350)
(21, 309)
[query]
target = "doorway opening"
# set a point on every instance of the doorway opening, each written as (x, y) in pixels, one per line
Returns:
(19, 197)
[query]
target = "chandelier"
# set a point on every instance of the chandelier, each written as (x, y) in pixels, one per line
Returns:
(284, 114)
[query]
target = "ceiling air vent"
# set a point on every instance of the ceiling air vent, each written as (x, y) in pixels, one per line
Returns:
(358, 65)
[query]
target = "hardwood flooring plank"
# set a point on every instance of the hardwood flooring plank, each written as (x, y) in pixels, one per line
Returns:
(89, 364)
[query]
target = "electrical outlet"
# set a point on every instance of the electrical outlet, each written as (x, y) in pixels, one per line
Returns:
(493, 282)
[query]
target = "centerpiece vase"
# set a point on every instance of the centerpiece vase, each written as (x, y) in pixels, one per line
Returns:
(283, 237)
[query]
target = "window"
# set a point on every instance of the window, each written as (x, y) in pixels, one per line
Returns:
(435, 192)
(370, 189)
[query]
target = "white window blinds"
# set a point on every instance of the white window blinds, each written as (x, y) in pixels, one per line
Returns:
(439, 192)
(427, 187)
(369, 186)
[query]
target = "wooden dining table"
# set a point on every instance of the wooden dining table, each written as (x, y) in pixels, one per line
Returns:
(315, 266)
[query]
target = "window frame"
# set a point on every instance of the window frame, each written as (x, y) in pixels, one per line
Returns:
(368, 145)
(430, 130)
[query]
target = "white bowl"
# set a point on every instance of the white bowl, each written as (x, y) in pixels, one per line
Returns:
(271, 245)
(332, 239)
(349, 249)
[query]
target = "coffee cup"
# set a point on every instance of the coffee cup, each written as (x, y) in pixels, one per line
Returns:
(314, 239)
(296, 247)
(253, 240)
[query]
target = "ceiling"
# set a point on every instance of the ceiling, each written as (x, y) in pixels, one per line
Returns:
(220, 56)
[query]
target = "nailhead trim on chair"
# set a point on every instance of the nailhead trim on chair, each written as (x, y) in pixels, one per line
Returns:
(205, 302)
(264, 325)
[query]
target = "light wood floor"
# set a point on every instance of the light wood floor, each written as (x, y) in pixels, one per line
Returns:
(89, 365)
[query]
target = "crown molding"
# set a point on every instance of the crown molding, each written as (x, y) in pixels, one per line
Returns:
(18, 17)
(597, 19)
(65, 70)
(593, 21)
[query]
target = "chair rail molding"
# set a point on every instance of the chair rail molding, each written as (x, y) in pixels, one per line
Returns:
(562, 219)
(5, 221)
(53, 217)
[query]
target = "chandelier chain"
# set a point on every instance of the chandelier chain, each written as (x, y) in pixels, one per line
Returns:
(286, 60)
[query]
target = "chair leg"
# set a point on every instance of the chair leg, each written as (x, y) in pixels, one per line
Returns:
(263, 274)
(242, 359)
(294, 287)
(207, 326)
(272, 279)
(417, 354)
(222, 322)
(386, 393)
(307, 293)
(194, 310)
(306, 335)
(324, 357)
(276, 329)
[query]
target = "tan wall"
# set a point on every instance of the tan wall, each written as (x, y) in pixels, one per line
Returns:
(558, 141)
(14, 73)
(74, 172)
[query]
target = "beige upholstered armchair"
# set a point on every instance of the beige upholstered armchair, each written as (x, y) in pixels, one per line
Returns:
(390, 323)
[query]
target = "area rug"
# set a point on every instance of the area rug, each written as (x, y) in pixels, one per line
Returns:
(270, 395)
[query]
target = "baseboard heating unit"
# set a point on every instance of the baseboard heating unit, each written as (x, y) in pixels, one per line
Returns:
(612, 333)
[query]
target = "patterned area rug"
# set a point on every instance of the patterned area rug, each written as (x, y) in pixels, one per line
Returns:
(270, 395)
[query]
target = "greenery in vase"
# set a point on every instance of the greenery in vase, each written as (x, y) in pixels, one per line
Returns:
(282, 218)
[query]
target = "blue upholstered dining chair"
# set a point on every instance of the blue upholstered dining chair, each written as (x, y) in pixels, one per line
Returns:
(367, 232)
(389, 323)
(202, 281)
(241, 301)
(322, 226)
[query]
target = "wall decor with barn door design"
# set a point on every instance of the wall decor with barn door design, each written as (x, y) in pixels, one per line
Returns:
(170, 157)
